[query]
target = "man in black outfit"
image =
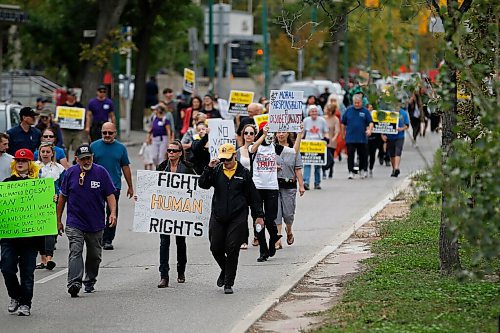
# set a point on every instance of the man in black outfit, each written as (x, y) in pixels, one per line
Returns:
(234, 191)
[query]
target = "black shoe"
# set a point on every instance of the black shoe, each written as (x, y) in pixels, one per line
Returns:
(272, 246)
(220, 279)
(306, 186)
(228, 290)
(89, 289)
(50, 265)
(263, 258)
(396, 172)
(181, 278)
(317, 187)
(74, 290)
(108, 246)
(393, 174)
(163, 283)
(387, 163)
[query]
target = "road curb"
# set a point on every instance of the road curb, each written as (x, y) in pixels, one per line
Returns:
(289, 283)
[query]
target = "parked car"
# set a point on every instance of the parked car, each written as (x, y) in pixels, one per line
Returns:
(308, 87)
(9, 115)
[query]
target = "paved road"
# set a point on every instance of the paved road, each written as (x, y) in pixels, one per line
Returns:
(127, 299)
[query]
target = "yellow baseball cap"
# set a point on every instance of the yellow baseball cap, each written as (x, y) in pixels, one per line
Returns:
(226, 151)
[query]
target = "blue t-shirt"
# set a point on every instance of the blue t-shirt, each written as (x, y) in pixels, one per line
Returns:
(60, 154)
(356, 121)
(100, 109)
(403, 120)
(18, 139)
(86, 202)
(112, 156)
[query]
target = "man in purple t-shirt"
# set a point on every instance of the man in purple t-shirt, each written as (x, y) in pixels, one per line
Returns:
(99, 111)
(86, 187)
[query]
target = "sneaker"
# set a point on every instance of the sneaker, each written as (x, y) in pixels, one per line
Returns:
(371, 173)
(74, 290)
(220, 279)
(317, 187)
(108, 246)
(393, 174)
(306, 186)
(364, 174)
(89, 289)
(228, 290)
(24, 310)
(396, 172)
(351, 175)
(13, 305)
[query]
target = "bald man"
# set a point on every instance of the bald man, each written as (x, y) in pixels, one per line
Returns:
(253, 109)
(113, 156)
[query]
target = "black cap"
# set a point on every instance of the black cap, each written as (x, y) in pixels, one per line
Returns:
(27, 112)
(83, 151)
(101, 87)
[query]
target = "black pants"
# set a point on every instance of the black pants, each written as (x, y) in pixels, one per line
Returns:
(110, 232)
(180, 241)
(225, 242)
(415, 126)
(49, 244)
(373, 145)
(361, 149)
(270, 200)
(330, 161)
(24, 257)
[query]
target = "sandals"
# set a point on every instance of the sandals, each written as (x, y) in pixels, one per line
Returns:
(278, 245)
(290, 239)
(40, 266)
(255, 242)
(244, 246)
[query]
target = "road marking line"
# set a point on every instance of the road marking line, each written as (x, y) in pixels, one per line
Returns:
(53, 276)
(254, 315)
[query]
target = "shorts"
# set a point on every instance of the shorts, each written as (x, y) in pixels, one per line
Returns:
(395, 147)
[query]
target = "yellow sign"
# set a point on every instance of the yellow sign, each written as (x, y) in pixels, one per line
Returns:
(189, 79)
(385, 122)
(260, 119)
(70, 118)
(313, 152)
(239, 101)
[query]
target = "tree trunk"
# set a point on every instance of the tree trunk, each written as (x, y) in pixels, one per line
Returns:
(108, 17)
(148, 13)
(334, 51)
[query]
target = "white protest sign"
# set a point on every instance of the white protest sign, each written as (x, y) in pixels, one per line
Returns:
(285, 111)
(171, 204)
(221, 132)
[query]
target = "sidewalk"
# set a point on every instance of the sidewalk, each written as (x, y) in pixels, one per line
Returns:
(136, 138)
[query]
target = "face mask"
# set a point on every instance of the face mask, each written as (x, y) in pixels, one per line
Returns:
(269, 139)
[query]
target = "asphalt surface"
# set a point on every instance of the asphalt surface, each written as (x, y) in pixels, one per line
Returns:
(127, 299)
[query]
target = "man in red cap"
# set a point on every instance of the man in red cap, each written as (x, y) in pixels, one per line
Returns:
(20, 253)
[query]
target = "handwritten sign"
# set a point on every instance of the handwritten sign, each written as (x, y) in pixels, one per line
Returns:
(27, 208)
(189, 79)
(285, 111)
(221, 132)
(313, 152)
(259, 119)
(171, 204)
(70, 118)
(385, 122)
(239, 101)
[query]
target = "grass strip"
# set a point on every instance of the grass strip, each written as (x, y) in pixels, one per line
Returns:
(403, 291)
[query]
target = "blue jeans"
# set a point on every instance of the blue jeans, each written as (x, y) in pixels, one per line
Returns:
(24, 257)
(317, 174)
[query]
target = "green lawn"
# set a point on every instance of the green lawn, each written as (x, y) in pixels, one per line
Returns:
(403, 291)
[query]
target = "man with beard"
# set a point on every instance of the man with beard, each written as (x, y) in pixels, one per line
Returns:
(86, 187)
(265, 177)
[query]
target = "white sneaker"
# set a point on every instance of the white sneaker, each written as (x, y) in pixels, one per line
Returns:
(23, 310)
(371, 173)
(364, 174)
(351, 175)
(13, 305)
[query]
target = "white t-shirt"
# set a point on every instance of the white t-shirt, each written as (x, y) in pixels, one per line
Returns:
(5, 161)
(265, 171)
(315, 129)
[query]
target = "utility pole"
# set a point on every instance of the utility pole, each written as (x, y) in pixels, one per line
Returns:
(220, 55)
(266, 48)
(211, 56)
(346, 54)
(314, 19)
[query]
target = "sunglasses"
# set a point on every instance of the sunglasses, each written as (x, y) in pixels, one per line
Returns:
(82, 177)
(48, 136)
(225, 159)
(249, 133)
(173, 150)
(107, 133)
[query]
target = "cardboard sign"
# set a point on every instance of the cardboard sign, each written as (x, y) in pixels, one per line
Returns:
(171, 204)
(27, 208)
(313, 152)
(221, 132)
(70, 118)
(259, 119)
(239, 101)
(285, 111)
(385, 122)
(189, 79)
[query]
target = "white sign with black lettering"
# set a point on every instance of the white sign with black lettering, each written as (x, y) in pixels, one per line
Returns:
(221, 132)
(285, 111)
(171, 204)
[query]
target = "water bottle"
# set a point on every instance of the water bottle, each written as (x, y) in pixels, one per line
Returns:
(258, 228)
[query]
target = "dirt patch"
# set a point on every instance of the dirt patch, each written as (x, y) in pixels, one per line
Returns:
(302, 309)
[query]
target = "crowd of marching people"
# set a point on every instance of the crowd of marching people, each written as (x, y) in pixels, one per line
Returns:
(256, 182)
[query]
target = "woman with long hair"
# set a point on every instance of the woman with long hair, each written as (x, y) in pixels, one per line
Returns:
(190, 114)
(333, 132)
(49, 168)
(176, 163)
(49, 136)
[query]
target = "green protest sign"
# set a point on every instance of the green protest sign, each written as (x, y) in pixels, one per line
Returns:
(27, 208)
